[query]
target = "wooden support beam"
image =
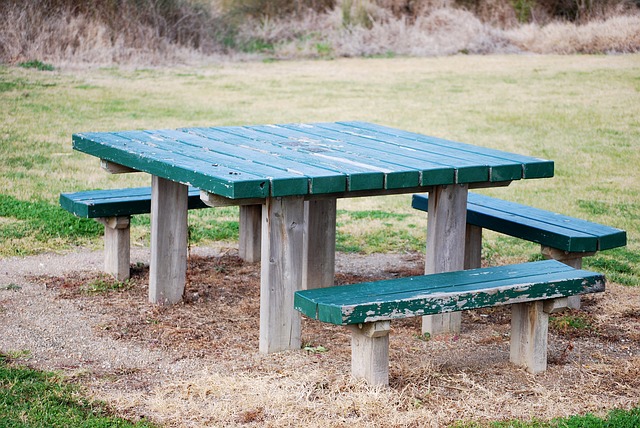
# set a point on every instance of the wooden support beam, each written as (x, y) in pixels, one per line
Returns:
(473, 247)
(446, 232)
(572, 259)
(319, 243)
(529, 328)
(370, 352)
(281, 273)
(117, 244)
(169, 236)
(114, 168)
(250, 233)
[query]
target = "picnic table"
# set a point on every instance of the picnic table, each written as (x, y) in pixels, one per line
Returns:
(295, 173)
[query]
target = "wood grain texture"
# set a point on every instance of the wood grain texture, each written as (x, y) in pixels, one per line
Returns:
(446, 231)
(250, 233)
(319, 243)
(281, 273)
(536, 225)
(297, 159)
(446, 292)
(169, 235)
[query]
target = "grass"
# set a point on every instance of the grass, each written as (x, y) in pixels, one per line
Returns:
(581, 112)
(31, 398)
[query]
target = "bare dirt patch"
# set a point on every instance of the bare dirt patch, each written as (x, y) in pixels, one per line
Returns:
(197, 363)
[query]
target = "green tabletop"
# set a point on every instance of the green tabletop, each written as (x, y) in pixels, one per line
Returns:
(300, 159)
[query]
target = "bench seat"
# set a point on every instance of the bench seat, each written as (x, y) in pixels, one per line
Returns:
(117, 202)
(534, 289)
(114, 208)
(561, 237)
(532, 224)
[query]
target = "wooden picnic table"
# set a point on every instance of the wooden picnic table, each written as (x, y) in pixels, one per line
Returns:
(294, 173)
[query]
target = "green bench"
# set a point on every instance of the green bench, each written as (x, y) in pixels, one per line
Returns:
(114, 209)
(562, 238)
(534, 290)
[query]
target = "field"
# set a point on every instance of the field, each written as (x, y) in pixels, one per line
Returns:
(580, 111)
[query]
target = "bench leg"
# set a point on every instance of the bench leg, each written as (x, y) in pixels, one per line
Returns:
(529, 328)
(570, 259)
(250, 233)
(169, 238)
(319, 243)
(370, 352)
(446, 230)
(281, 273)
(117, 246)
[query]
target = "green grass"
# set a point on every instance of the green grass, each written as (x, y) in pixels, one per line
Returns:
(616, 418)
(583, 112)
(31, 398)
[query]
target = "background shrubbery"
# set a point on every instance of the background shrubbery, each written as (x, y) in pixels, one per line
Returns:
(161, 31)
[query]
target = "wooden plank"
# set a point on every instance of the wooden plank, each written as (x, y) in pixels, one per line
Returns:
(117, 202)
(114, 168)
(497, 169)
(167, 267)
(117, 243)
(322, 179)
(579, 230)
(395, 175)
(281, 273)
(175, 143)
(435, 168)
(535, 225)
(358, 177)
(370, 352)
(528, 342)
(250, 233)
(446, 230)
(319, 243)
(446, 292)
(473, 247)
(532, 167)
(183, 169)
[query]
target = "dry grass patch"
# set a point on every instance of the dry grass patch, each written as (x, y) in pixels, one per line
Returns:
(433, 382)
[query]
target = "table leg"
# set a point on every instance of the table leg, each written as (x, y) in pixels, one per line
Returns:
(250, 235)
(446, 229)
(319, 251)
(169, 236)
(281, 273)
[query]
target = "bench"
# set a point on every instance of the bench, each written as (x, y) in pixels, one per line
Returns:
(562, 238)
(534, 290)
(114, 209)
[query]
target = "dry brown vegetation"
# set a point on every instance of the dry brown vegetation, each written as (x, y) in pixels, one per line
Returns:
(170, 31)
(218, 378)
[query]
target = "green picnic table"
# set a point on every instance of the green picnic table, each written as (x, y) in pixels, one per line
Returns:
(289, 177)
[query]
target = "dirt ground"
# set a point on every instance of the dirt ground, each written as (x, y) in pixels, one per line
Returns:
(197, 363)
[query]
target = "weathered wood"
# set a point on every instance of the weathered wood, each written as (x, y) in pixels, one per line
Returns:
(169, 236)
(281, 273)
(117, 202)
(473, 247)
(114, 168)
(531, 167)
(250, 233)
(570, 259)
(446, 292)
(552, 306)
(529, 327)
(446, 230)
(547, 228)
(370, 352)
(319, 243)
(533, 289)
(117, 237)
